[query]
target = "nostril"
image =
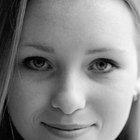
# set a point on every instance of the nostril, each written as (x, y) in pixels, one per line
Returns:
(68, 105)
(65, 108)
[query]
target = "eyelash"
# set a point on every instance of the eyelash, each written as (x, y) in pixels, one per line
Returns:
(103, 65)
(38, 63)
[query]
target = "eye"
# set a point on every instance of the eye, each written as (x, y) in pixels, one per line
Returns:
(38, 63)
(102, 65)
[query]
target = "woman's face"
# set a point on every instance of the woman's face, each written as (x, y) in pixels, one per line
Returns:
(76, 72)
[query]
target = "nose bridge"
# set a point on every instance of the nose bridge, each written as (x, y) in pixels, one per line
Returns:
(70, 97)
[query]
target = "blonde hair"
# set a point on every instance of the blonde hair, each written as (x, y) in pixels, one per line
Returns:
(12, 14)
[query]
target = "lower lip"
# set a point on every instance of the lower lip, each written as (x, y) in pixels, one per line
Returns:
(67, 134)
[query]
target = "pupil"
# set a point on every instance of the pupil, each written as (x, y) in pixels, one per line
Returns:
(39, 62)
(101, 65)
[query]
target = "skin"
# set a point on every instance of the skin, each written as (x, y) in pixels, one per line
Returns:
(74, 85)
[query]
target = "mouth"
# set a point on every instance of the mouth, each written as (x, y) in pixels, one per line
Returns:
(68, 131)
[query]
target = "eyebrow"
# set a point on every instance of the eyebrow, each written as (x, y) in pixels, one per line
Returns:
(102, 50)
(40, 46)
(49, 49)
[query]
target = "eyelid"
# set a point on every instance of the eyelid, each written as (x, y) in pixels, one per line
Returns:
(113, 62)
(109, 61)
(27, 60)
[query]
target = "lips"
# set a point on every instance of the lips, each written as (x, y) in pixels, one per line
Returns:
(68, 131)
(72, 127)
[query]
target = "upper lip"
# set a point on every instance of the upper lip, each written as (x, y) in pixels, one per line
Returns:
(69, 127)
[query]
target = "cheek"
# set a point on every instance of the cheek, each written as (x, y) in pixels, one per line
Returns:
(113, 108)
(26, 101)
(112, 103)
(28, 97)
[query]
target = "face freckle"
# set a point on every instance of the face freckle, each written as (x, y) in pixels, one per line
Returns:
(76, 69)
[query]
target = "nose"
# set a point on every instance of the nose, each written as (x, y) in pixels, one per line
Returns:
(70, 98)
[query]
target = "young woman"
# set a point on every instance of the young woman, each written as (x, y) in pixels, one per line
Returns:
(69, 69)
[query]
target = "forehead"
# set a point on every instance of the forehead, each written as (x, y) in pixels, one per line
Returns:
(80, 20)
(62, 9)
